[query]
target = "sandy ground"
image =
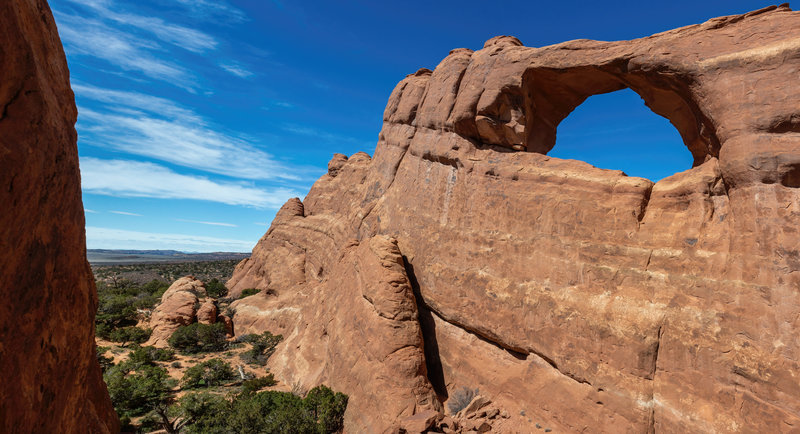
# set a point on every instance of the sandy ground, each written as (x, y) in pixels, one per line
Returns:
(180, 363)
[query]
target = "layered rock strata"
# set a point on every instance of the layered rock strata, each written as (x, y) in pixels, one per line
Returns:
(51, 380)
(574, 297)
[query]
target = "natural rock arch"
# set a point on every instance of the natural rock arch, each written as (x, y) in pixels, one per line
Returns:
(525, 117)
(634, 306)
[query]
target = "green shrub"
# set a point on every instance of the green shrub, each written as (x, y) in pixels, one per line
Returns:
(155, 287)
(198, 338)
(249, 291)
(256, 384)
(269, 412)
(140, 356)
(213, 372)
(104, 362)
(113, 311)
(138, 392)
(102, 330)
(327, 408)
(203, 412)
(127, 335)
(145, 301)
(263, 347)
(322, 411)
(216, 289)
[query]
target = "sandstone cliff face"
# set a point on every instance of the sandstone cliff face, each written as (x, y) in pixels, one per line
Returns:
(51, 381)
(589, 300)
(356, 331)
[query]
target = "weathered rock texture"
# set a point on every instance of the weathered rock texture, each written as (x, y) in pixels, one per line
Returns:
(51, 381)
(356, 331)
(575, 297)
(179, 307)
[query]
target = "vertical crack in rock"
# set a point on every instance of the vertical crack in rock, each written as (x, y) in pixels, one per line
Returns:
(643, 206)
(652, 417)
(14, 97)
(433, 361)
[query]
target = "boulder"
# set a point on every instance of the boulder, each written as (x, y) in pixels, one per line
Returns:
(207, 313)
(420, 422)
(477, 403)
(177, 308)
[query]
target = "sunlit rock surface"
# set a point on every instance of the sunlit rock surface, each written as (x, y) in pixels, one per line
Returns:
(574, 297)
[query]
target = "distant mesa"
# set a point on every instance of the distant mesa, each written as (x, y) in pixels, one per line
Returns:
(119, 257)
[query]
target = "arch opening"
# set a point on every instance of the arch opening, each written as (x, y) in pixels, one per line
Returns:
(525, 116)
(616, 130)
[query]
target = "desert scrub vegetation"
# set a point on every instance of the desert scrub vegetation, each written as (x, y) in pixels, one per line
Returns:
(138, 389)
(248, 292)
(210, 373)
(255, 384)
(143, 390)
(199, 338)
(122, 303)
(263, 346)
(102, 360)
(126, 335)
(149, 355)
(215, 288)
(167, 272)
(321, 411)
(460, 399)
(216, 397)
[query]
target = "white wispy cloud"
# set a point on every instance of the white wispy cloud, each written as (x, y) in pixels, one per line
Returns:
(313, 132)
(158, 128)
(90, 211)
(229, 225)
(180, 36)
(108, 238)
(126, 213)
(187, 145)
(214, 9)
(236, 69)
(279, 104)
(120, 100)
(89, 37)
(124, 178)
(104, 29)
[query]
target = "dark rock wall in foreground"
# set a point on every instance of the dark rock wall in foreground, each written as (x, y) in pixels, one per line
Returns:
(51, 382)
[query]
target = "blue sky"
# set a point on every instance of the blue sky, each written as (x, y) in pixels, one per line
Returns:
(198, 119)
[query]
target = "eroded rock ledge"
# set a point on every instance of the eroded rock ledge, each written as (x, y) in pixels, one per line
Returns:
(572, 296)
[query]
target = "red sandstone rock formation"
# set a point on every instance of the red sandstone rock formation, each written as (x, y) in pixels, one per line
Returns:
(51, 381)
(574, 297)
(177, 308)
(207, 312)
(357, 330)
